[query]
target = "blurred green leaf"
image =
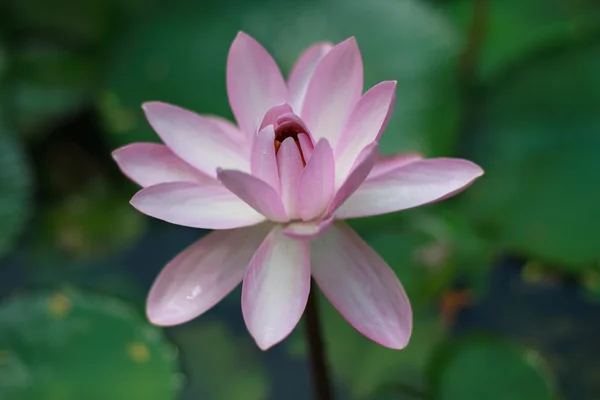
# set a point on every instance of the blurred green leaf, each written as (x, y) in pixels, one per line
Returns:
(369, 366)
(70, 345)
(178, 55)
(94, 221)
(400, 391)
(3, 57)
(15, 190)
(48, 83)
(515, 28)
(78, 22)
(591, 283)
(491, 369)
(220, 366)
(395, 395)
(539, 145)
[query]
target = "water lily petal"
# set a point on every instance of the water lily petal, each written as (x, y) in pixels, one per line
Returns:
(307, 146)
(361, 286)
(360, 171)
(254, 82)
(414, 184)
(333, 90)
(302, 72)
(316, 184)
(201, 275)
(149, 164)
(257, 193)
(263, 162)
(195, 139)
(387, 163)
(230, 129)
(289, 162)
(194, 205)
(367, 121)
(275, 288)
(274, 113)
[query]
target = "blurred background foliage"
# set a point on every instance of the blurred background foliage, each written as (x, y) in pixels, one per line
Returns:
(504, 278)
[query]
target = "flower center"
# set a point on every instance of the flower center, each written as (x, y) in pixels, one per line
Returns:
(290, 129)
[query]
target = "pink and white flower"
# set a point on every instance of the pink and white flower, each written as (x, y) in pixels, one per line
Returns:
(276, 187)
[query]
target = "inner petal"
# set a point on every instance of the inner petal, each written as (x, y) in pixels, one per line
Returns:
(274, 113)
(290, 164)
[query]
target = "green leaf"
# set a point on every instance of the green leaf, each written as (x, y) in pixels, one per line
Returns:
(396, 395)
(47, 83)
(515, 28)
(178, 55)
(590, 280)
(15, 190)
(95, 221)
(70, 345)
(539, 146)
(400, 391)
(220, 366)
(3, 57)
(491, 369)
(81, 22)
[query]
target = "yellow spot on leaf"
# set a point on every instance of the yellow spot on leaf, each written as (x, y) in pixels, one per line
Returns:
(138, 352)
(5, 357)
(59, 305)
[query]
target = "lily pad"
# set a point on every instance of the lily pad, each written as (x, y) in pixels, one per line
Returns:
(89, 22)
(49, 83)
(93, 222)
(15, 189)
(514, 29)
(219, 365)
(539, 145)
(3, 57)
(69, 345)
(476, 368)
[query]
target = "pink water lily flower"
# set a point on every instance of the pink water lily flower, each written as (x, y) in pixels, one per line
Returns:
(276, 187)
